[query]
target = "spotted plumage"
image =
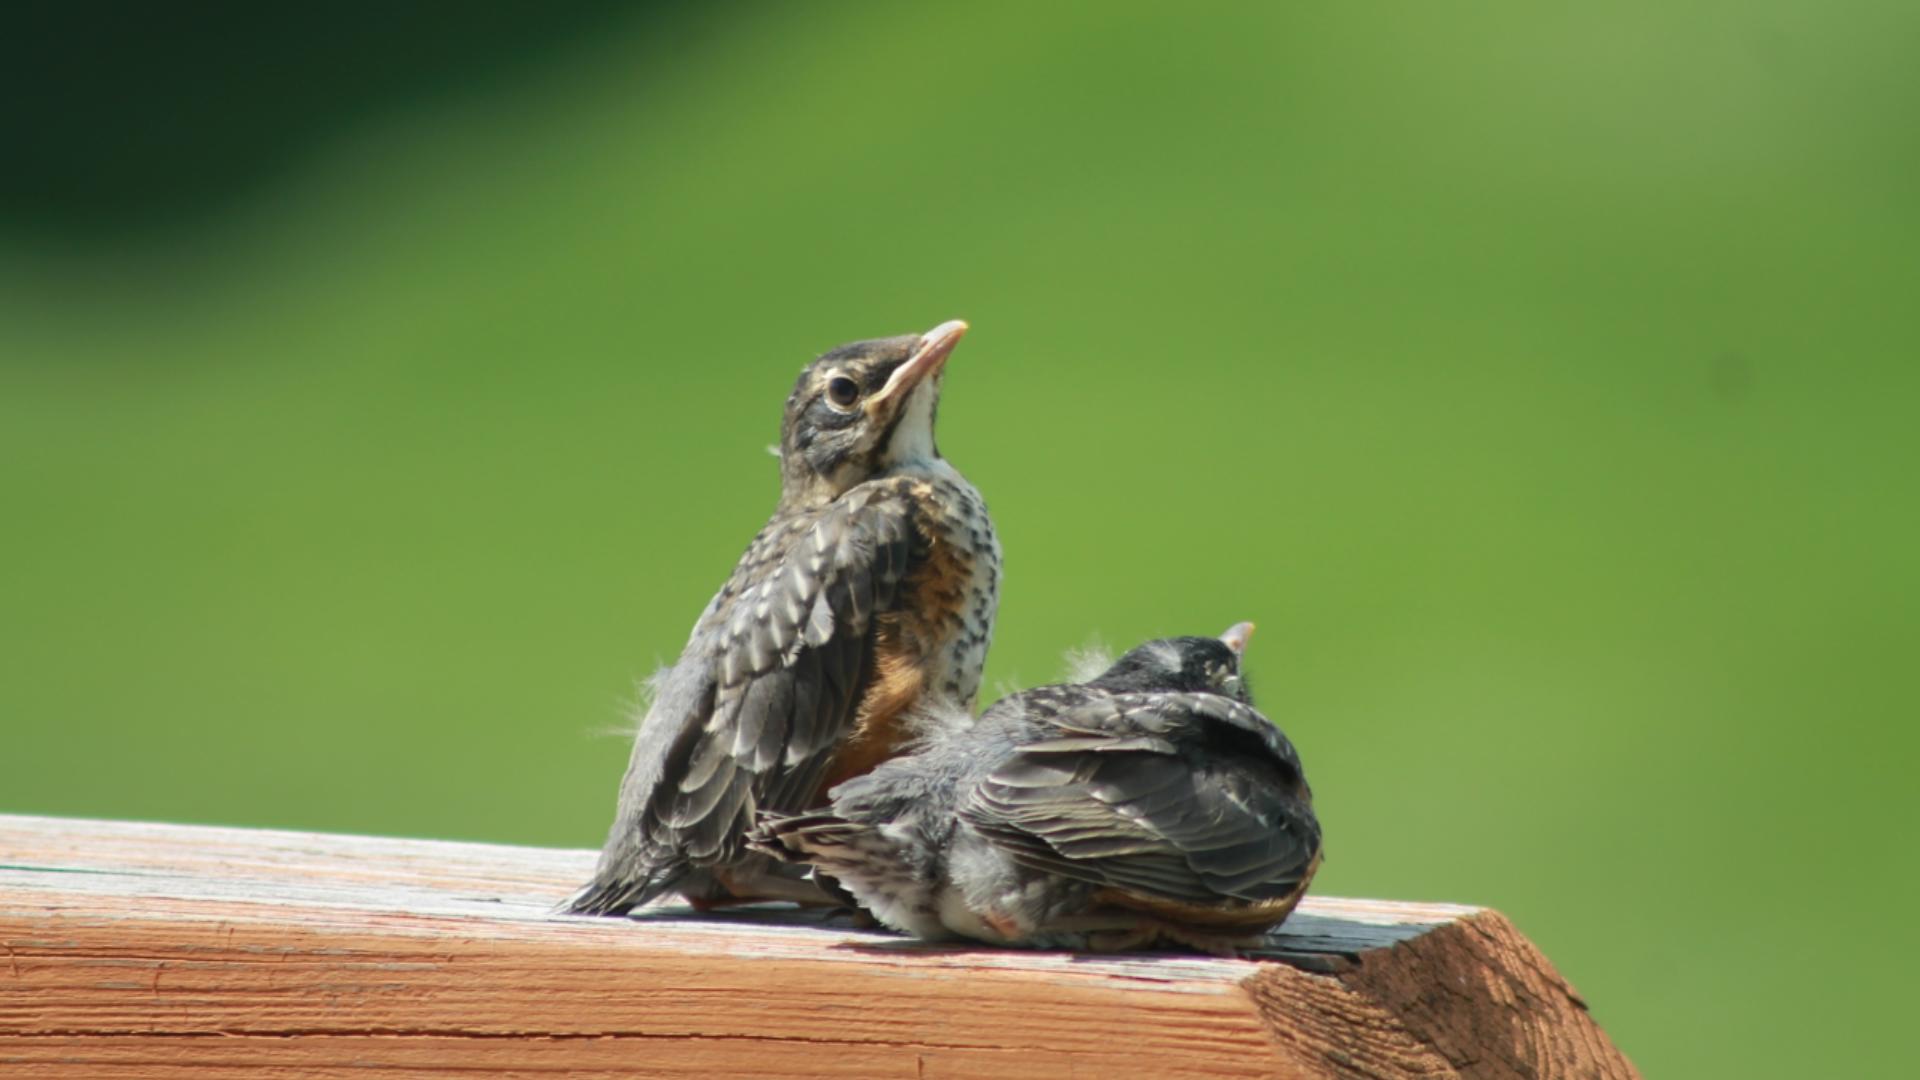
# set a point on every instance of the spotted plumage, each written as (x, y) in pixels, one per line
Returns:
(861, 613)
(1149, 805)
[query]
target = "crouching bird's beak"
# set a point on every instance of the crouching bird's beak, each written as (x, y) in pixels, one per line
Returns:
(1237, 636)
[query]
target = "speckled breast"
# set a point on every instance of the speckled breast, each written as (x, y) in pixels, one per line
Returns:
(930, 647)
(958, 583)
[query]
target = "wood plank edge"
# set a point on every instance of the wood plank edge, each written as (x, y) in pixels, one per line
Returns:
(1472, 999)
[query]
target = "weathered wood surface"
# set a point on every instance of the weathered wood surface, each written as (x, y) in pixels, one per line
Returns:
(131, 950)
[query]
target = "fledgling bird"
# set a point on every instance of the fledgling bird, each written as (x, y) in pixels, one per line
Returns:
(1149, 805)
(862, 608)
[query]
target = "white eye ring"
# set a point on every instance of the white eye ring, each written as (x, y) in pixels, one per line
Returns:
(840, 386)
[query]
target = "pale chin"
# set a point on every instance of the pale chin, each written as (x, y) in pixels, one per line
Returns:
(913, 434)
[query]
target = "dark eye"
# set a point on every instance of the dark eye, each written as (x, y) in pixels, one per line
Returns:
(843, 392)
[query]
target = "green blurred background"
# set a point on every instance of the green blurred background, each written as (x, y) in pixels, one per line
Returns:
(382, 394)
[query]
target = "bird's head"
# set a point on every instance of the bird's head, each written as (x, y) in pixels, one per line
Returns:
(1209, 665)
(862, 409)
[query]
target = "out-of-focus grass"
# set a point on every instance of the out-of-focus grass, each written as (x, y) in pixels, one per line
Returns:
(1542, 383)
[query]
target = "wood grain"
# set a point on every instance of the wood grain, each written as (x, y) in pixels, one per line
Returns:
(171, 951)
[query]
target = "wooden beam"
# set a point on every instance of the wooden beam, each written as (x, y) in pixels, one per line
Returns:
(136, 950)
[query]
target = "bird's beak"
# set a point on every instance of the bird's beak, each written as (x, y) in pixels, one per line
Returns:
(1237, 636)
(929, 356)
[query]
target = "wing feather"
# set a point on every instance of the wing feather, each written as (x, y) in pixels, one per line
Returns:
(768, 686)
(1191, 798)
(798, 638)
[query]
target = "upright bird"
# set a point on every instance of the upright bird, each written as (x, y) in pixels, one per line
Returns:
(1151, 804)
(863, 608)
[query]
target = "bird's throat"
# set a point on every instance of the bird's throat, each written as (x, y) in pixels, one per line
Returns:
(910, 442)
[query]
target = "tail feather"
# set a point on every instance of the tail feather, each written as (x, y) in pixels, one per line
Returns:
(820, 839)
(617, 894)
(880, 874)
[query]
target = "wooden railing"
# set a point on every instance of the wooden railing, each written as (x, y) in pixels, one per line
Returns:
(162, 951)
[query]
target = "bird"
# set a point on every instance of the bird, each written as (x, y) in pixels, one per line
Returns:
(1150, 806)
(866, 600)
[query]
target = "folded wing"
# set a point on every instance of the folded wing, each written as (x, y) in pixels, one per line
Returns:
(1181, 798)
(752, 714)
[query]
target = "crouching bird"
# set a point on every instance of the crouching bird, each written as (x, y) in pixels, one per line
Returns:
(1150, 805)
(866, 600)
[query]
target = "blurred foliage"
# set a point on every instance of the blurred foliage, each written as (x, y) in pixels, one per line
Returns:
(382, 395)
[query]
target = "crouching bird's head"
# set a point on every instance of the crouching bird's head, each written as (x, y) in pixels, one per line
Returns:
(861, 410)
(1207, 665)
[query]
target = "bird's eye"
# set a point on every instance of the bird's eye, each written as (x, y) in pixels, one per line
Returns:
(842, 392)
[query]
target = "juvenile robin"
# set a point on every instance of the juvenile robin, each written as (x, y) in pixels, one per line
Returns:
(1150, 805)
(860, 613)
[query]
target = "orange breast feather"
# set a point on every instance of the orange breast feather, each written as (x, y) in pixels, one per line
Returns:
(927, 614)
